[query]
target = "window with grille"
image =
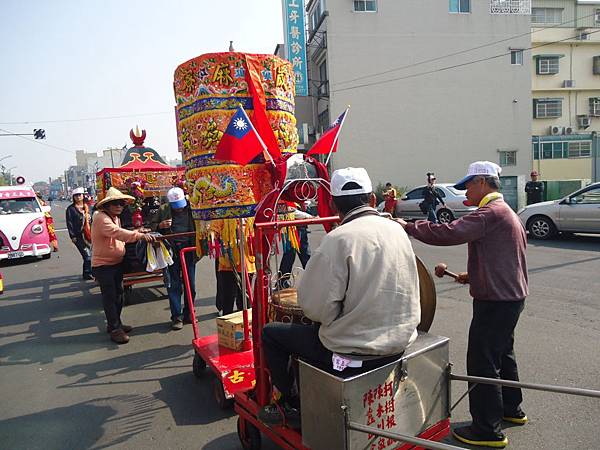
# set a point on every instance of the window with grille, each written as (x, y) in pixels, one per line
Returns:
(543, 109)
(547, 66)
(460, 6)
(516, 57)
(324, 82)
(510, 6)
(580, 149)
(508, 158)
(365, 5)
(595, 106)
(315, 15)
(546, 15)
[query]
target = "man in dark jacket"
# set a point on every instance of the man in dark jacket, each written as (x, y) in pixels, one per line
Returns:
(534, 189)
(497, 275)
(431, 198)
(176, 217)
(76, 215)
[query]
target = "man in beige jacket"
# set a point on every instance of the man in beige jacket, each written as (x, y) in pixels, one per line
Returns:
(360, 287)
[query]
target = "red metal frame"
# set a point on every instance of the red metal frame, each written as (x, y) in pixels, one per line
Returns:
(235, 369)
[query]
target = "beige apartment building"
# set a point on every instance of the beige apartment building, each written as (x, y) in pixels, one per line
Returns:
(433, 85)
(566, 89)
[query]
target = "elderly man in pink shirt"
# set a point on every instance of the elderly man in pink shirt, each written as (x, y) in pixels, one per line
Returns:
(497, 275)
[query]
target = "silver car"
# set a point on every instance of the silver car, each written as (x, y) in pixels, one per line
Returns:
(408, 205)
(578, 212)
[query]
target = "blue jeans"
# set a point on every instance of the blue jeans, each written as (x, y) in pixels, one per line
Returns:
(176, 286)
(431, 214)
(288, 258)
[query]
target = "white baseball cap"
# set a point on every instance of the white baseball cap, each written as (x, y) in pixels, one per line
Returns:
(176, 197)
(357, 175)
(486, 168)
(78, 190)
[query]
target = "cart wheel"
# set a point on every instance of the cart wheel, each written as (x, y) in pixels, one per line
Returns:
(127, 294)
(198, 365)
(222, 400)
(249, 436)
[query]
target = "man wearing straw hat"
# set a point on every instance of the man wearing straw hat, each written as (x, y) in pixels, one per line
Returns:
(108, 250)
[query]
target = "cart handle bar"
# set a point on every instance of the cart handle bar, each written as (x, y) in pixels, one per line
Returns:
(175, 235)
(290, 223)
(534, 386)
(402, 437)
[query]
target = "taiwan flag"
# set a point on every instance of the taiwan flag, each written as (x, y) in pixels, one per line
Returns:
(327, 143)
(240, 142)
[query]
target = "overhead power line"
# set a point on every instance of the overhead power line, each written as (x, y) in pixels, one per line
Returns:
(38, 142)
(455, 66)
(87, 119)
(460, 52)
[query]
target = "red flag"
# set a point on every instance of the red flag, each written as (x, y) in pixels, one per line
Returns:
(239, 143)
(260, 119)
(328, 141)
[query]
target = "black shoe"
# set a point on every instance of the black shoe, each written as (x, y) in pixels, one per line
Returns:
(519, 418)
(274, 415)
(188, 320)
(88, 277)
(468, 436)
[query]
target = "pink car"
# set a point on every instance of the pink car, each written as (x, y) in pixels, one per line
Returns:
(23, 230)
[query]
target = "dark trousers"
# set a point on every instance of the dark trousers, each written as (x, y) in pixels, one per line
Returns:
(176, 286)
(110, 279)
(228, 291)
(86, 254)
(287, 260)
(490, 354)
(281, 341)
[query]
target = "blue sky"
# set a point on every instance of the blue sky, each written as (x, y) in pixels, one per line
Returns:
(83, 59)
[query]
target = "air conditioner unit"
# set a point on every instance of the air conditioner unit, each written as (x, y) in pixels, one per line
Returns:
(583, 35)
(555, 131)
(583, 121)
(569, 83)
(568, 130)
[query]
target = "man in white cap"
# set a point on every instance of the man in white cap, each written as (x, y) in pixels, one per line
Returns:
(176, 217)
(361, 289)
(497, 275)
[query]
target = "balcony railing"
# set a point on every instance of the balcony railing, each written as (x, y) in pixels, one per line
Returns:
(510, 6)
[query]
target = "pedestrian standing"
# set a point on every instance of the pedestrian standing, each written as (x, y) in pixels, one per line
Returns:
(431, 198)
(108, 243)
(497, 275)
(534, 189)
(390, 195)
(289, 256)
(78, 225)
(176, 217)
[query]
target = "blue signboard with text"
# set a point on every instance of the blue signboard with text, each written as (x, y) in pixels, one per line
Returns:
(295, 42)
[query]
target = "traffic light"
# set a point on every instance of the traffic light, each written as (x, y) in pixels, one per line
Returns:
(38, 133)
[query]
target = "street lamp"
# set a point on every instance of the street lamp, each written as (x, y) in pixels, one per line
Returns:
(10, 180)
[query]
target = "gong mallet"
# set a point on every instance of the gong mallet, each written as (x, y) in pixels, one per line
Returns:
(442, 269)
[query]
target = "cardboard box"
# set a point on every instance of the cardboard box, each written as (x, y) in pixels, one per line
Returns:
(230, 329)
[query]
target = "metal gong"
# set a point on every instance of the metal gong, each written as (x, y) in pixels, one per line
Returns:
(428, 296)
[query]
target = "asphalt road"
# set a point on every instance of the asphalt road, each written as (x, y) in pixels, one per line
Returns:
(64, 385)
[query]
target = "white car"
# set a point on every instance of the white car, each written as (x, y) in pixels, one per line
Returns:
(578, 212)
(408, 205)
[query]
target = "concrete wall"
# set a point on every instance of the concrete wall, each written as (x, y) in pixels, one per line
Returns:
(439, 122)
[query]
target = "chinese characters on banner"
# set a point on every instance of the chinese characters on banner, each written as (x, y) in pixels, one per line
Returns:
(381, 413)
(295, 42)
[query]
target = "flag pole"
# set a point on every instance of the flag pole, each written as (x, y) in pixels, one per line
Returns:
(264, 146)
(337, 135)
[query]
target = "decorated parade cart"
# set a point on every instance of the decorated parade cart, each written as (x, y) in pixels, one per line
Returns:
(145, 175)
